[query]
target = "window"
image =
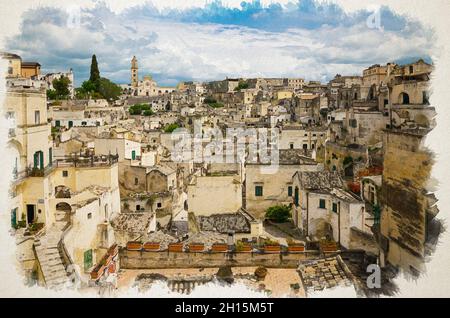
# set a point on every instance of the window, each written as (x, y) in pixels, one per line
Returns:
(411, 69)
(305, 146)
(425, 98)
(136, 181)
(335, 207)
(65, 173)
(353, 123)
(88, 260)
(138, 207)
(37, 117)
(50, 156)
(291, 145)
(296, 196)
(290, 191)
(159, 204)
(89, 216)
(258, 191)
(322, 204)
(83, 123)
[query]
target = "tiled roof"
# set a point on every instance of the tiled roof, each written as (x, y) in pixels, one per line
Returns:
(320, 180)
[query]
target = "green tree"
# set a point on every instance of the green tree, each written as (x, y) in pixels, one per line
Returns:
(279, 213)
(241, 85)
(95, 73)
(108, 89)
(51, 94)
(61, 87)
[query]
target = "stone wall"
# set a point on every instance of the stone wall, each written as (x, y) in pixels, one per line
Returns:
(403, 218)
(154, 260)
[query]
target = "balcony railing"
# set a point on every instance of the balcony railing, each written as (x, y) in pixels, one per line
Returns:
(78, 161)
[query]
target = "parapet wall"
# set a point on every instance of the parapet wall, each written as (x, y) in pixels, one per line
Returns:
(165, 259)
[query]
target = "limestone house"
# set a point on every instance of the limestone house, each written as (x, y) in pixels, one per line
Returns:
(409, 94)
(364, 127)
(307, 107)
(299, 137)
(263, 190)
(29, 131)
(68, 198)
(53, 196)
(323, 209)
(284, 94)
(371, 189)
(161, 178)
(72, 120)
(14, 68)
(125, 148)
(214, 194)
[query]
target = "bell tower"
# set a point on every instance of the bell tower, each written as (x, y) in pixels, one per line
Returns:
(134, 72)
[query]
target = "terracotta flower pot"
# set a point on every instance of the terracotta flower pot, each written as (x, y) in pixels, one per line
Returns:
(272, 249)
(149, 246)
(296, 248)
(196, 247)
(176, 247)
(134, 246)
(219, 248)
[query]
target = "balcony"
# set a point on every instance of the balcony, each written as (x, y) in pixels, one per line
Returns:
(77, 161)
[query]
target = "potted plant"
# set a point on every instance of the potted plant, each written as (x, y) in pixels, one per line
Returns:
(134, 246)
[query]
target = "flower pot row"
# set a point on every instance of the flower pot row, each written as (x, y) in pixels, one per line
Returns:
(216, 248)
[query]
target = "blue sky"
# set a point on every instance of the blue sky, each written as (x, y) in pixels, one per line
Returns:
(299, 39)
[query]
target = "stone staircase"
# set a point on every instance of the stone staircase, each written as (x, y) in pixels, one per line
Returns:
(49, 257)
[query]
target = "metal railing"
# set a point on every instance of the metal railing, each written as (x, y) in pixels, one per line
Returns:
(77, 161)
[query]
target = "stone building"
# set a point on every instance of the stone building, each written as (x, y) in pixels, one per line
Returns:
(214, 194)
(408, 208)
(324, 210)
(263, 190)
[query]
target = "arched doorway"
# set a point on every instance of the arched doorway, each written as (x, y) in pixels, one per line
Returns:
(403, 98)
(372, 92)
(18, 162)
(63, 210)
(321, 229)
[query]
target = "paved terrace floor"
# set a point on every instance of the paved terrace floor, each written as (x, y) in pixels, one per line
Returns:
(277, 282)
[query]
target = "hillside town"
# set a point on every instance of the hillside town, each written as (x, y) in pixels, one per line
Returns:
(268, 181)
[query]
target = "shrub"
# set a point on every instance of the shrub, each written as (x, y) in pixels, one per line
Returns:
(170, 128)
(139, 109)
(279, 213)
(241, 85)
(209, 100)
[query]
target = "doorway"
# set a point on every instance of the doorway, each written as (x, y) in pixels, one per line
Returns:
(31, 213)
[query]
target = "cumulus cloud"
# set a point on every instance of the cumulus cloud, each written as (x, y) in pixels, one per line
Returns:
(302, 39)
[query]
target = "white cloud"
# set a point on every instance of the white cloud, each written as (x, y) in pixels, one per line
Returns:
(175, 50)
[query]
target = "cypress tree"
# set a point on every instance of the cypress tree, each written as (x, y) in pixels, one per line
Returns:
(95, 73)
